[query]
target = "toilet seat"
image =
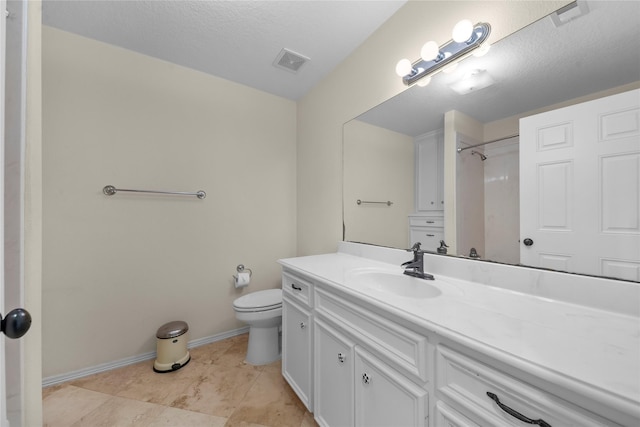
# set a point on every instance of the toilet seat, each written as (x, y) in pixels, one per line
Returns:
(269, 299)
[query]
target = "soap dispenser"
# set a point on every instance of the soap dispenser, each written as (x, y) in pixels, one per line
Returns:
(443, 247)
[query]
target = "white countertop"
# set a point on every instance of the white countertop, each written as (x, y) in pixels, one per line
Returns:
(584, 349)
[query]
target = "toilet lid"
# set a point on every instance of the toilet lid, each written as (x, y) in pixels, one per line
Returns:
(265, 300)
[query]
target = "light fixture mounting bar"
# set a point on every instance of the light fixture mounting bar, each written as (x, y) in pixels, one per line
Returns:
(449, 53)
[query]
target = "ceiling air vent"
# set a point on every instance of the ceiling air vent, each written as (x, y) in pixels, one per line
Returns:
(569, 12)
(289, 60)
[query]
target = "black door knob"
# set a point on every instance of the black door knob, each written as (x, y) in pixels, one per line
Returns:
(16, 323)
(527, 242)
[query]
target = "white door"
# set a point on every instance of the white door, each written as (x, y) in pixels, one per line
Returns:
(580, 188)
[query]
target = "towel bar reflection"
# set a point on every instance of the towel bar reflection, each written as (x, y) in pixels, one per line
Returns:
(110, 190)
(360, 202)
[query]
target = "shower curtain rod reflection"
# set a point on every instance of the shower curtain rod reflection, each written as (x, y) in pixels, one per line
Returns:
(110, 190)
(461, 149)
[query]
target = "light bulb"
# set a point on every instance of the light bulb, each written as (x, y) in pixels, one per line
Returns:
(429, 51)
(462, 31)
(424, 81)
(403, 67)
(482, 50)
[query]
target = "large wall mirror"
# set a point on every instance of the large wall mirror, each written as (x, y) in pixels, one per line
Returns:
(586, 51)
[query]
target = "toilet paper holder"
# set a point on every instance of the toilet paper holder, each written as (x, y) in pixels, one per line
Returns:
(240, 269)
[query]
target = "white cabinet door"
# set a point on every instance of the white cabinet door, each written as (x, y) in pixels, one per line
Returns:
(580, 187)
(383, 397)
(333, 393)
(297, 356)
(430, 172)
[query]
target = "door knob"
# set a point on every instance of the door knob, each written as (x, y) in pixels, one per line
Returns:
(527, 242)
(16, 323)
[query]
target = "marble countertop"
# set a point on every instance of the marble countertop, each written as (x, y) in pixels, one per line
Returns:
(587, 350)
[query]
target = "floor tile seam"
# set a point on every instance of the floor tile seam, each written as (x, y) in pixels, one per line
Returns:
(81, 388)
(79, 416)
(246, 393)
(108, 402)
(184, 381)
(191, 411)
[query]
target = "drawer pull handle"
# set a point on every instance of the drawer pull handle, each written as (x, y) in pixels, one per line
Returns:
(341, 358)
(302, 325)
(366, 379)
(517, 414)
(430, 235)
(431, 222)
(297, 288)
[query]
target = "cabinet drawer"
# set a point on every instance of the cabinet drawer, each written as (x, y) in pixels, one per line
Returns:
(297, 288)
(429, 237)
(426, 221)
(464, 383)
(401, 347)
(446, 416)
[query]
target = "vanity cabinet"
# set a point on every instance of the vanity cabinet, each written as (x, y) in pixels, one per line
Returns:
(354, 362)
(354, 387)
(368, 370)
(429, 155)
(297, 337)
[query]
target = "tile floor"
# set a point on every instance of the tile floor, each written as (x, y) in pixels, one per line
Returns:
(216, 388)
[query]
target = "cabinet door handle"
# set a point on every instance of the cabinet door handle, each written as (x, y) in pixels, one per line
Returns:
(341, 358)
(366, 379)
(297, 288)
(516, 414)
(303, 325)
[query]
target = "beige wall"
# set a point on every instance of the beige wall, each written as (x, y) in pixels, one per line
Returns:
(383, 166)
(116, 268)
(364, 80)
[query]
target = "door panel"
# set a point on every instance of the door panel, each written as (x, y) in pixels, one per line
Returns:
(580, 187)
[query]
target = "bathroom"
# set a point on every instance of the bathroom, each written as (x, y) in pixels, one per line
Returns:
(274, 189)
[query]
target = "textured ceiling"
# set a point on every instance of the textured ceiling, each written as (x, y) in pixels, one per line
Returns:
(538, 66)
(235, 40)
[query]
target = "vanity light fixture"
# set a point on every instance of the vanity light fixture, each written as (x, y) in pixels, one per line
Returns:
(465, 39)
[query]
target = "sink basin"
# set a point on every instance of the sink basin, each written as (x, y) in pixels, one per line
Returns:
(396, 284)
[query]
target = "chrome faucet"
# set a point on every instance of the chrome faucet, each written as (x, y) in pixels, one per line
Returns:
(415, 267)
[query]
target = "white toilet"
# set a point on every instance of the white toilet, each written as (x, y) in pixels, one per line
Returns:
(262, 311)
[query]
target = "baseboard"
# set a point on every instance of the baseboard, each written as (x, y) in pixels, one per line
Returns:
(69, 376)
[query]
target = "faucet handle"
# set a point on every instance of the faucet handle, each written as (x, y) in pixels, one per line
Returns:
(415, 247)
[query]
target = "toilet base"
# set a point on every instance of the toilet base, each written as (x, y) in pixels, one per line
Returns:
(264, 345)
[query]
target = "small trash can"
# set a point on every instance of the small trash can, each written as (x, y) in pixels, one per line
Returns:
(172, 353)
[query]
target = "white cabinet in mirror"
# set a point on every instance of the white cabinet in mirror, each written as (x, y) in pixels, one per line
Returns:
(426, 225)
